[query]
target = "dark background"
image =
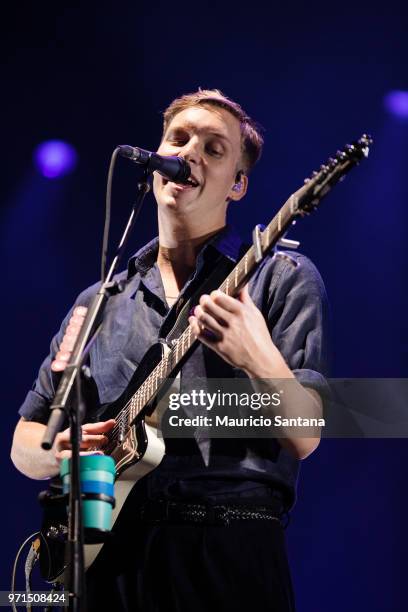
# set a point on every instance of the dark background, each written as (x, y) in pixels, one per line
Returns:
(314, 75)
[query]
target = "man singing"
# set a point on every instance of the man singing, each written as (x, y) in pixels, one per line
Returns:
(192, 558)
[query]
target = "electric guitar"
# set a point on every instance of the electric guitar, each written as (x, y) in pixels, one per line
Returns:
(134, 443)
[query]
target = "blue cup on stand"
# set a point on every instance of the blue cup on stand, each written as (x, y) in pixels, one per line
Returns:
(97, 475)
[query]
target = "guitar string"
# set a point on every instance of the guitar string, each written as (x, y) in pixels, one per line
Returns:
(123, 417)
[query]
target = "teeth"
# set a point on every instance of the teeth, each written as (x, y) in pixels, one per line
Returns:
(192, 182)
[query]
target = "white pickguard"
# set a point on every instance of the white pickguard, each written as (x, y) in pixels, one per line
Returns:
(126, 481)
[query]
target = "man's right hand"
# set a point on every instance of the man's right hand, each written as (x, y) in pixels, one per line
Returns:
(92, 438)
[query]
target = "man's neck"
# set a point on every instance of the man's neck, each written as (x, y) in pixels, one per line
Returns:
(178, 252)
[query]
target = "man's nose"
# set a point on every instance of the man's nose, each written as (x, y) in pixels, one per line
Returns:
(191, 151)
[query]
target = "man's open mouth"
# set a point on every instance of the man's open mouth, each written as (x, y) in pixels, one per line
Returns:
(191, 182)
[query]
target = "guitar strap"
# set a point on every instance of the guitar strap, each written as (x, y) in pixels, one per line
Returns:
(221, 268)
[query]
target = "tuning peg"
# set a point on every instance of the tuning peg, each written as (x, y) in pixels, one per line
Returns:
(366, 139)
(341, 155)
(313, 175)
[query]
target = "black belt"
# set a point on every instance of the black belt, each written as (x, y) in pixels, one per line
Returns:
(165, 511)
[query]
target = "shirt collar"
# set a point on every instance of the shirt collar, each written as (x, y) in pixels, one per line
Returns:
(227, 242)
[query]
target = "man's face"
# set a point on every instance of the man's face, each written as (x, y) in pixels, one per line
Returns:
(210, 140)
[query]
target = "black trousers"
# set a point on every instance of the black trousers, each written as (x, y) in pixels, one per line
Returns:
(193, 568)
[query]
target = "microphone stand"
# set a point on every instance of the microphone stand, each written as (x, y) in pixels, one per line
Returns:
(62, 407)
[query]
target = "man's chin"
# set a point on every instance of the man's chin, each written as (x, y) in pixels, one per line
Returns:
(175, 198)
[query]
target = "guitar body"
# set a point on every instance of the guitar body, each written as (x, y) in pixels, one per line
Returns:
(140, 451)
(133, 467)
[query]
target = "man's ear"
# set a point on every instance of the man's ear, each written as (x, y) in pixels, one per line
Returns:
(239, 188)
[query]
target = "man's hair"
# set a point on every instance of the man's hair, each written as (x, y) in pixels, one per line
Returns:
(251, 137)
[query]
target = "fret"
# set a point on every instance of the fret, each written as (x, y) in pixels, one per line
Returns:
(165, 366)
(236, 276)
(172, 360)
(144, 397)
(187, 341)
(154, 383)
(149, 388)
(227, 286)
(177, 352)
(246, 263)
(157, 377)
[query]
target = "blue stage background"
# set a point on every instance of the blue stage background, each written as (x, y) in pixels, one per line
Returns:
(315, 76)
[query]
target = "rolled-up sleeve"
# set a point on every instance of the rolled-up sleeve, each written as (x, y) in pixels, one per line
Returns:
(298, 319)
(37, 402)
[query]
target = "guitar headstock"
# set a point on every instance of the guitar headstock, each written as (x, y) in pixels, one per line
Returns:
(330, 173)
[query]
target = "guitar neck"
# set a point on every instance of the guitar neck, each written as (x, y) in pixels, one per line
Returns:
(300, 203)
(237, 278)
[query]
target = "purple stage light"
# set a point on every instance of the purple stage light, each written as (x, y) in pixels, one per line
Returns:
(396, 103)
(55, 158)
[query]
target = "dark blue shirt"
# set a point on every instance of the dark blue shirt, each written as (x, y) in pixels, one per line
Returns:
(293, 302)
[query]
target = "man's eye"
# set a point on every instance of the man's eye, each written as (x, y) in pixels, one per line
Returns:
(216, 152)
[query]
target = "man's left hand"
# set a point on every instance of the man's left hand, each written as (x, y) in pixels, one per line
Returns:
(236, 329)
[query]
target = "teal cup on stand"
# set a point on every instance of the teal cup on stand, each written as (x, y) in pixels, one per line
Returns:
(97, 475)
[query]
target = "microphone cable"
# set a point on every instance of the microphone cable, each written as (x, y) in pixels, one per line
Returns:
(108, 208)
(32, 556)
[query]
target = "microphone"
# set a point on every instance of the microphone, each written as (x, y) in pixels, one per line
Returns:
(174, 169)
